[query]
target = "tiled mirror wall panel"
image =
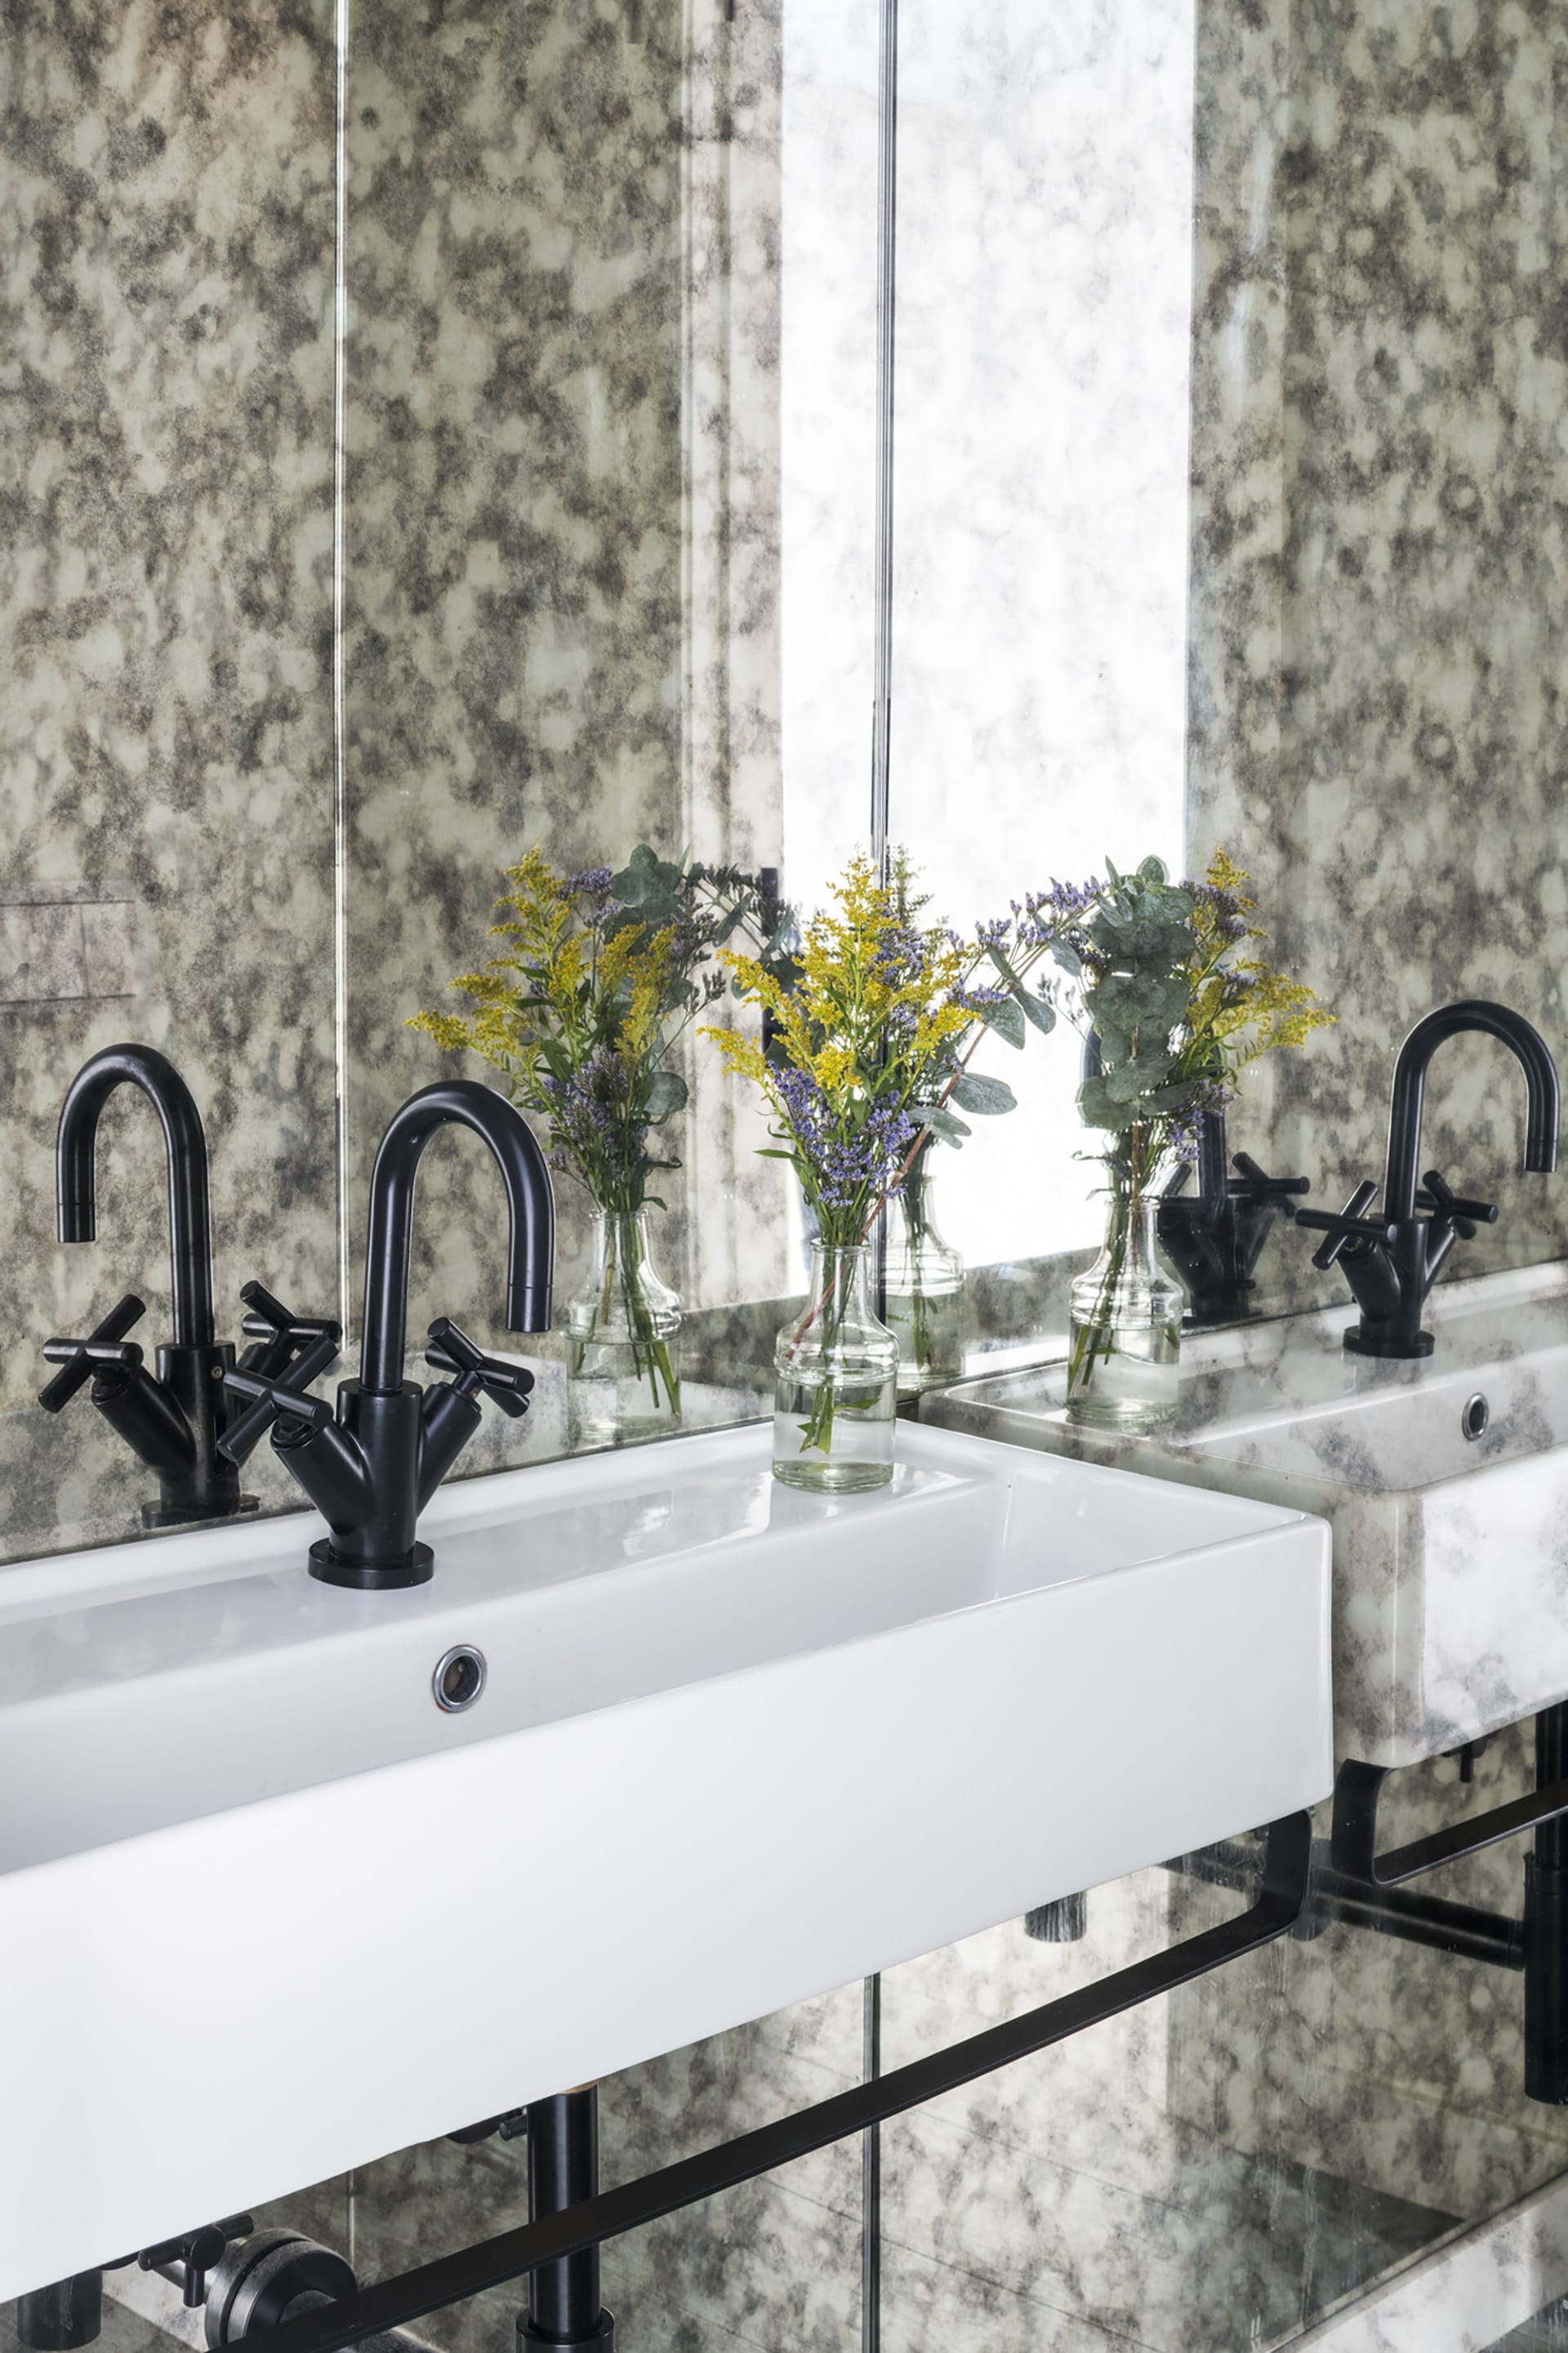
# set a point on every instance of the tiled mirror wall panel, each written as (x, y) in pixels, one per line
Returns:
(430, 430)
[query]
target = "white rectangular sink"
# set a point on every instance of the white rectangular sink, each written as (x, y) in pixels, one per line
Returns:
(1450, 1550)
(268, 1913)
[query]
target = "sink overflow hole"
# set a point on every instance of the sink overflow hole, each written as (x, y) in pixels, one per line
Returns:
(458, 1679)
(1475, 1416)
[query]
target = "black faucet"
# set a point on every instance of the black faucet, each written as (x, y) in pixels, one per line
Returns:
(1391, 1257)
(372, 1469)
(1214, 1237)
(174, 1420)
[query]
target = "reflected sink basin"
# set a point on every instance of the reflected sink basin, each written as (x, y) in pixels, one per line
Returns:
(268, 1913)
(1450, 1550)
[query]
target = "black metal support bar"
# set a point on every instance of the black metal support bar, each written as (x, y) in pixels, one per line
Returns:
(1337, 1899)
(1354, 1837)
(494, 2263)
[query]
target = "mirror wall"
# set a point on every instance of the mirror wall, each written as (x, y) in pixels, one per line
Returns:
(432, 432)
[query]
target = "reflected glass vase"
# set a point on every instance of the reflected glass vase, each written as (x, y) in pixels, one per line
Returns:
(1125, 1345)
(924, 1287)
(836, 1367)
(621, 1381)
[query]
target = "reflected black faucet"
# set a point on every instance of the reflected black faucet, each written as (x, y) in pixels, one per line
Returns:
(176, 1421)
(1391, 1257)
(371, 1470)
(1214, 1237)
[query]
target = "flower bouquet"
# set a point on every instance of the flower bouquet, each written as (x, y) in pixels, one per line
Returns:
(870, 1027)
(1173, 1008)
(600, 975)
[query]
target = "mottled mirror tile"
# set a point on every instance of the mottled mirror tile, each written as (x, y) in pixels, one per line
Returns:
(166, 225)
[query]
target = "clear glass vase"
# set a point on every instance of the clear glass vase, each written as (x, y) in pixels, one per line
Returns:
(924, 1287)
(620, 1375)
(1124, 1352)
(836, 1366)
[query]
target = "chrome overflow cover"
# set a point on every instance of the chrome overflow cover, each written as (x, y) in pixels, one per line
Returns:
(1477, 1414)
(458, 1679)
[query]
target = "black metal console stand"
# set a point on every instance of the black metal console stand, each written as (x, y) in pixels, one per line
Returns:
(1358, 1873)
(553, 2238)
(563, 2308)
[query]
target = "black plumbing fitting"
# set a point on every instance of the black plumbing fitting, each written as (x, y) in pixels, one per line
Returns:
(62, 2316)
(564, 2313)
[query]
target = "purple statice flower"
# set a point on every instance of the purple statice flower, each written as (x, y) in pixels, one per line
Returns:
(979, 998)
(590, 1115)
(847, 1164)
(1207, 1096)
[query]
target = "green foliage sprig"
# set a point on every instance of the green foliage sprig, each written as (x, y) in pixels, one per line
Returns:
(601, 975)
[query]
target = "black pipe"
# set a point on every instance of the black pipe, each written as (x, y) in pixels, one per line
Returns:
(564, 2306)
(1463, 1928)
(67, 2313)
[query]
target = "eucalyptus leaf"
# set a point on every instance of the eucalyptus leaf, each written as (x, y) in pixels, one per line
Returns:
(942, 1123)
(1038, 1009)
(1098, 1109)
(1153, 870)
(987, 1097)
(1067, 958)
(647, 881)
(1006, 1020)
(664, 1093)
(1142, 1000)
(1127, 1080)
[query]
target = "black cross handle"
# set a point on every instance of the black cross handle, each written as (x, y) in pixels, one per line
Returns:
(1342, 1226)
(104, 1346)
(452, 1351)
(1448, 1210)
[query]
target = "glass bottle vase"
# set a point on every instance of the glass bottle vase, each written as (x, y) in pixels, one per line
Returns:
(836, 1367)
(621, 1380)
(1125, 1345)
(924, 1287)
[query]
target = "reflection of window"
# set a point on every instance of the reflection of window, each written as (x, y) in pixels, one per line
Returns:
(1040, 478)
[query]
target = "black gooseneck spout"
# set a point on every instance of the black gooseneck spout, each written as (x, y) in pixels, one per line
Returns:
(530, 1204)
(1392, 1256)
(178, 1423)
(173, 1421)
(1529, 1049)
(370, 1469)
(186, 1143)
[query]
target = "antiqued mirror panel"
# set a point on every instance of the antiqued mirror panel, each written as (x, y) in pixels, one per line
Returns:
(166, 793)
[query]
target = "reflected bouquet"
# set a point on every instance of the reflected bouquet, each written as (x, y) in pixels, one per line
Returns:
(599, 976)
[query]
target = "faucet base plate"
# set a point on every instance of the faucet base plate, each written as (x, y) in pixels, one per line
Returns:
(371, 1576)
(1366, 1344)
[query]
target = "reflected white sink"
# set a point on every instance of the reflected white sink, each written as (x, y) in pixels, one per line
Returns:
(1450, 1552)
(268, 1913)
